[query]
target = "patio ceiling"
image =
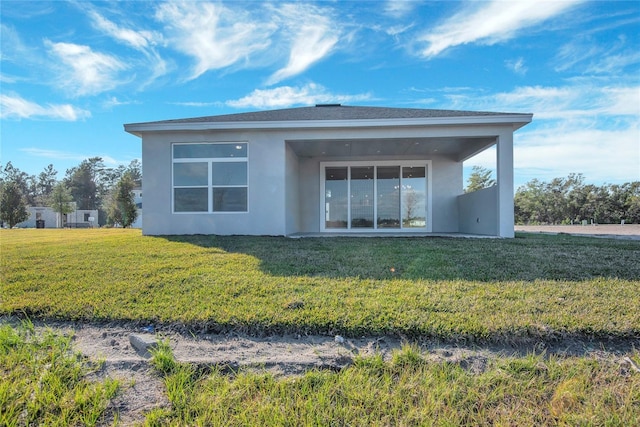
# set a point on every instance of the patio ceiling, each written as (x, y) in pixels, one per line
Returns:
(455, 148)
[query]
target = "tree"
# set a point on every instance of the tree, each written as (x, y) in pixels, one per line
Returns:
(26, 183)
(45, 184)
(13, 208)
(480, 178)
(135, 171)
(565, 200)
(120, 206)
(61, 201)
(83, 180)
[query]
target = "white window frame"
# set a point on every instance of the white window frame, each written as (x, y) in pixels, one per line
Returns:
(402, 163)
(209, 186)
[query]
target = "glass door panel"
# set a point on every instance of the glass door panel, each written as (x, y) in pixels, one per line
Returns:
(388, 182)
(362, 197)
(336, 197)
(414, 196)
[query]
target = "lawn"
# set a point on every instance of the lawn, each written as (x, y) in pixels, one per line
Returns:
(530, 288)
(471, 289)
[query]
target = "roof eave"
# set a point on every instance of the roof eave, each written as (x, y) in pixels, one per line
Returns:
(517, 120)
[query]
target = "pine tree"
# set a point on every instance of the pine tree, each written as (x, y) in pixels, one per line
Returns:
(480, 178)
(60, 201)
(13, 209)
(121, 207)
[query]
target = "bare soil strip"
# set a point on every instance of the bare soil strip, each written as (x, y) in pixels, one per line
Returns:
(143, 389)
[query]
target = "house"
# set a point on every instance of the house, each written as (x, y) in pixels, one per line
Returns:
(326, 169)
(137, 199)
(45, 217)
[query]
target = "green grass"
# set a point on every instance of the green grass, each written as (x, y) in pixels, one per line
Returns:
(43, 383)
(534, 286)
(472, 289)
(409, 390)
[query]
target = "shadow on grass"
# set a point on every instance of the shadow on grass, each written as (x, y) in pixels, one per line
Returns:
(526, 258)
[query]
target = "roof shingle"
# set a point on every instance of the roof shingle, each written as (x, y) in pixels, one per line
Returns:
(332, 112)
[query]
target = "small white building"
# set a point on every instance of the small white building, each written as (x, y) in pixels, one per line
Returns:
(137, 199)
(45, 217)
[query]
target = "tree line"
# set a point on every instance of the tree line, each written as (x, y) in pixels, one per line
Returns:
(570, 201)
(567, 200)
(91, 185)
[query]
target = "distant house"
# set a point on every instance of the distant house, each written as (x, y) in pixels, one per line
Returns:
(45, 217)
(326, 169)
(137, 199)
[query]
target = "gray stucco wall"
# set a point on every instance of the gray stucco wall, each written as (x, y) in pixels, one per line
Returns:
(266, 184)
(446, 186)
(292, 192)
(478, 212)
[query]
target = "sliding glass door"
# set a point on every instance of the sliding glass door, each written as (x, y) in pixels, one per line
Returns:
(376, 196)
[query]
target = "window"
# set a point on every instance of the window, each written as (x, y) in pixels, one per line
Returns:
(87, 216)
(384, 195)
(210, 177)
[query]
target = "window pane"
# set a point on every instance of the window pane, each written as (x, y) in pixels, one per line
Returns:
(190, 174)
(415, 172)
(336, 197)
(414, 196)
(229, 173)
(230, 199)
(362, 197)
(388, 196)
(190, 200)
(195, 151)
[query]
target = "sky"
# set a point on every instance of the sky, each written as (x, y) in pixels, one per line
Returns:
(72, 73)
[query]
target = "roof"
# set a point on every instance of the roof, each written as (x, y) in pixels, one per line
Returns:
(329, 115)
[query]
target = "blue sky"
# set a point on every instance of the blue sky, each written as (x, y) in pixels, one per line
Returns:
(72, 73)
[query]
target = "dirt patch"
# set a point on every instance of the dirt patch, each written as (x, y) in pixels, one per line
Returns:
(143, 389)
(615, 231)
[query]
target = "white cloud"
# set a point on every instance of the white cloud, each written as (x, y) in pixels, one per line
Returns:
(83, 71)
(589, 56)
(573, 102)
(313, 36)
(214, 35)
(66, 155)
(583, 128)
(136, 39)
(16, 107)
(599, 154)
(196, 104)
(400, 8)
(142, 41)
(286, 96)
(115, 102)
(517, 66)
(489, 23)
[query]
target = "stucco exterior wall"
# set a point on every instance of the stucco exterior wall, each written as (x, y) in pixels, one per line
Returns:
(47, 214)
(478, 212)
(309, 185)
(266, 187)
(50, 218)
(446, 187)
(292, 192)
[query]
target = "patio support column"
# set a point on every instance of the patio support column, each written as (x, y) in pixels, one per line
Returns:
(504, 162)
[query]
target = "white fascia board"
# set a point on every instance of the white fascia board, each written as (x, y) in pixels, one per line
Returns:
(517, 120)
